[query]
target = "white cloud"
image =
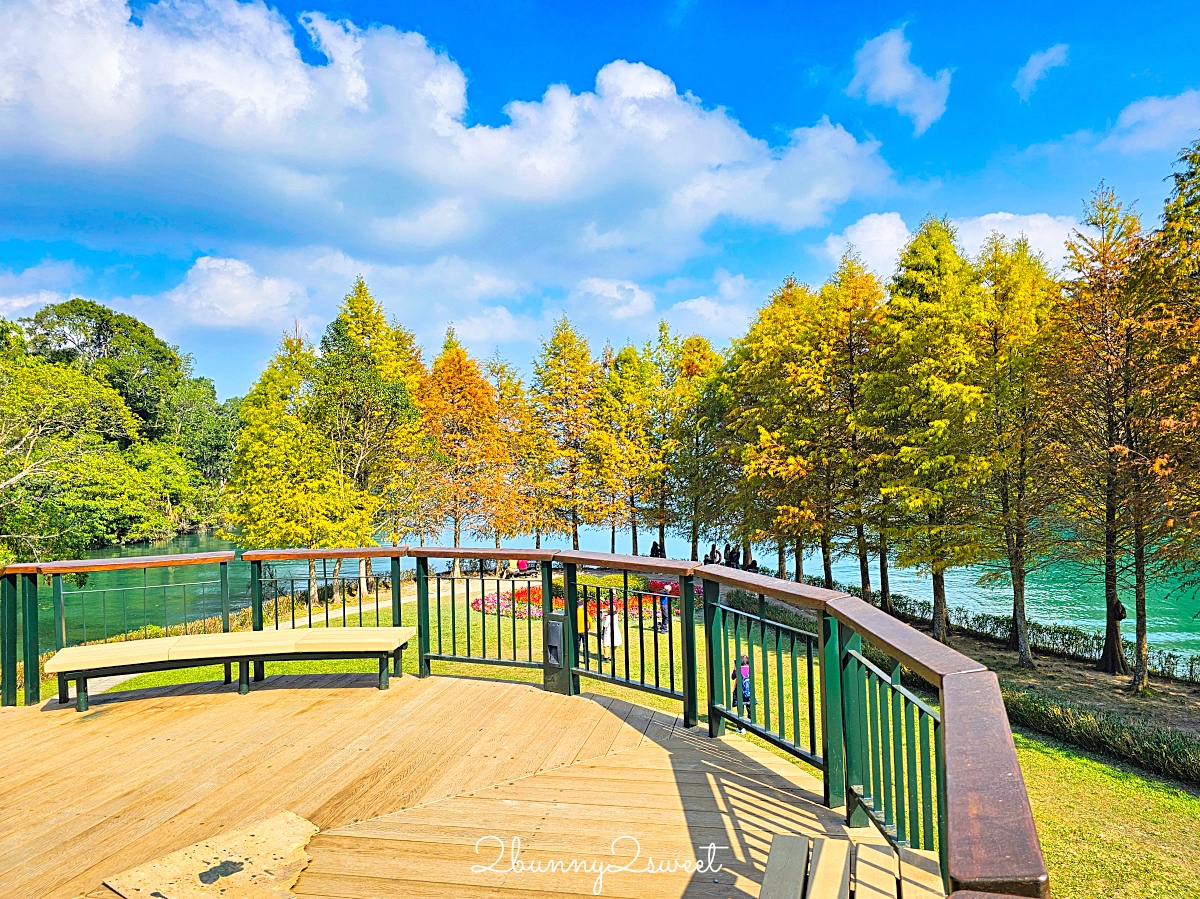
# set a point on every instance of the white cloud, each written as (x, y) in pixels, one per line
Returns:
(718, 316)
(886, 76)
(617, 300)
(26, 291)
(1156, 123)
(1037, 67)
(372, 150)
(878, 238)
(1046, 233)
(224, 293)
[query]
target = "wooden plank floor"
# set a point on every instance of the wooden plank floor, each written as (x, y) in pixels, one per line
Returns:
(402, 784)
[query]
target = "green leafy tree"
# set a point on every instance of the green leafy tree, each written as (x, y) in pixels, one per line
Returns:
(565, 380)
(54, 420)
(115, 348)
(287, 487)
(1095, 379)
(1017, 340)
(926, 402)
(700, 470)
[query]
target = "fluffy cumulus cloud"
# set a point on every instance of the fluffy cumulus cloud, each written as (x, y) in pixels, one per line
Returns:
(885, 75)
(207, 106)
(23, 292)
(721, 314)
(877, 238)
(1156, 124)
(1037, 67)
(1046, 233)
(611, 299)
(219, 293)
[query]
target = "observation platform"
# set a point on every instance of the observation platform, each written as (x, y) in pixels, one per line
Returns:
(409, 789)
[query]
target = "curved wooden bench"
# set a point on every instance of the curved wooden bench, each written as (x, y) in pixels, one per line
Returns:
(78, 663)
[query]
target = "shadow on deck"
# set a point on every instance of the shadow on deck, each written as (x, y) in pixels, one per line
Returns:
(403, 784)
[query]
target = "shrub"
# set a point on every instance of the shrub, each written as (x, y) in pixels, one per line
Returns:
(1159, 750)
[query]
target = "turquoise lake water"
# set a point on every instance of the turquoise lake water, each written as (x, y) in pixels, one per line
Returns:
(1059, 595)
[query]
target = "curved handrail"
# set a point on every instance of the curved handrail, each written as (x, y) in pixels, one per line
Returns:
(80, 566)
(351, 552)
(991, 844)
(460, 552)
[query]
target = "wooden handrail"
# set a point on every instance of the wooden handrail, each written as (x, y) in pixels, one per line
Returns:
(80, 566)
(789, 592)
(463, 552)
(644, 564)
(991, 842)
(912, 648)
(351, 552)
(20, 568)
(992, 845)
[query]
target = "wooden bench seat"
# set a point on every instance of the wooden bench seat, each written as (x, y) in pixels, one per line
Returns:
(78, 663)
(834, 868)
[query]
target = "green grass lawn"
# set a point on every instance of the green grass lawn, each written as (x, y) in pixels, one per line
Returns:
(1107, 830)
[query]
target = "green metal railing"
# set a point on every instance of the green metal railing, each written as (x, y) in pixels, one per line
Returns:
(764, 678)
(893, 753)
(929, 775)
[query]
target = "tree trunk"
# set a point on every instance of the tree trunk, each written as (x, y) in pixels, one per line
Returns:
(456, 571)
(537, 538)
(746, 554)
(1112, 660)
(941, 616)
(864, 561)
(827, 558)
(695, 539)
(662, 536)
(575, 529)
(1141, 654)
(1020, 622)
(312, 582)
(885, 587)
(799, 553)
(782, 558)
(613, 548)
(633, 527)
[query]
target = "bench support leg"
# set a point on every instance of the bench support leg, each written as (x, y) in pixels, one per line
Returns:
(260, 670)
(63, 695)
(81, 694)
(243, 678)
(228, 673)
(398, 662)
(383, 671)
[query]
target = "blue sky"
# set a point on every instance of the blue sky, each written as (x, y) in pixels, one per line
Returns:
(224, 169)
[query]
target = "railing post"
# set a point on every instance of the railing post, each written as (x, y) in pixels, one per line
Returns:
(687, 618)
(225, 597)
(256, 612)
(571, 637)
(714, 663)
(939, 749)
(225, 614)
(833, 747)
(8, 639)
(397, 610)
(60, 630)
(422, 576)
(33, 672)
(854, 719)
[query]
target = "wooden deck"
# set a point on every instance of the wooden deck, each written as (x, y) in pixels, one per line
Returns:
(402, 784)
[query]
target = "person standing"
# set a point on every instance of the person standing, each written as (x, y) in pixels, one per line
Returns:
(746, 695)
